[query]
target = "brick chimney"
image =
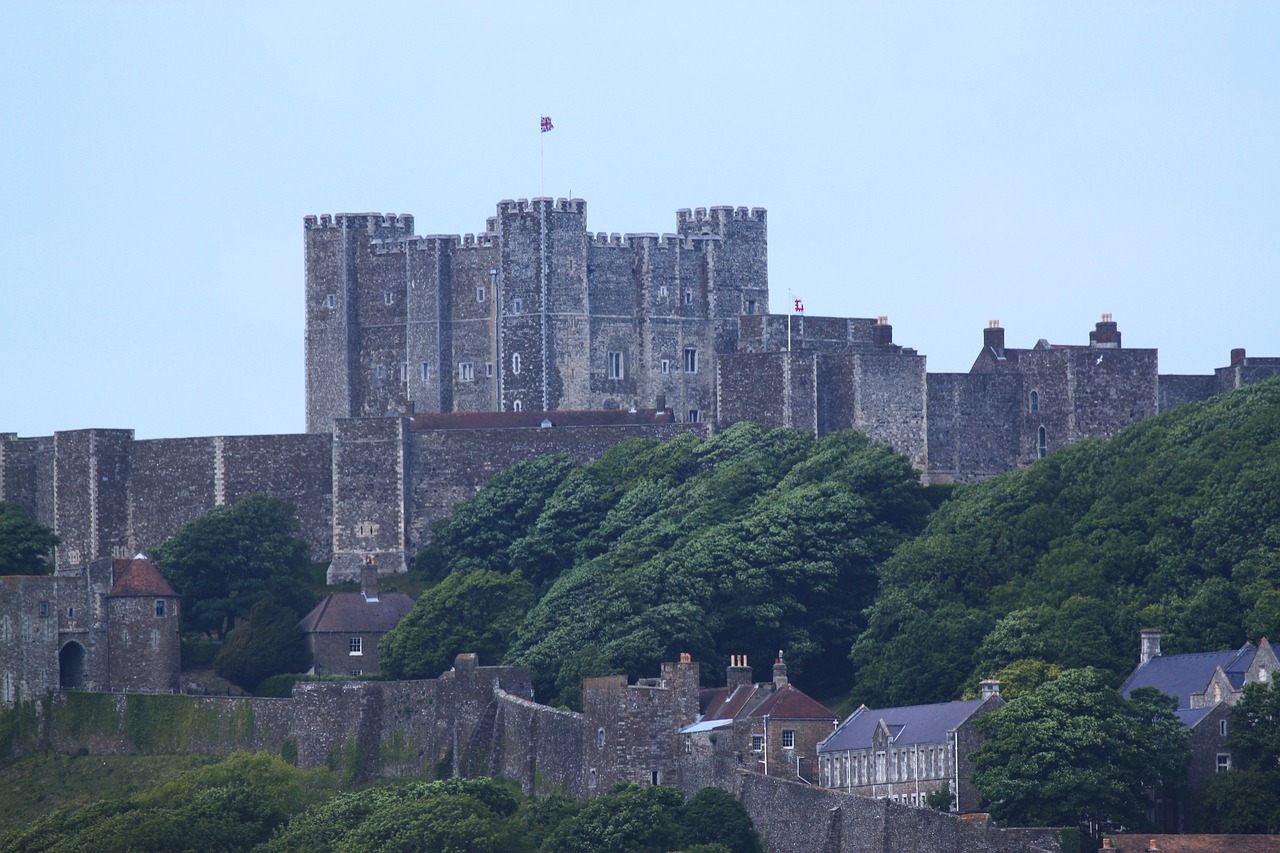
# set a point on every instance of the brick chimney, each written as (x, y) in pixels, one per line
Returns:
(993, 338)
(882, 332)
(1150, 645)
(779, 672)
(1237, 356)
(989, 687)
(369, 579)
(738, 674)
(1105, 334)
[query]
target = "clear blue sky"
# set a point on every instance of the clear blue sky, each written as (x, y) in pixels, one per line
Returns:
(942, 164)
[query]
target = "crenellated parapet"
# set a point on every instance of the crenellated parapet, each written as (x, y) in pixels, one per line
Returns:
(372, 222)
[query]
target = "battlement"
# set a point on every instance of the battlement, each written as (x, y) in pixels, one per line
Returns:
(606, 240)
(687, 219)
(402, 222)
(560, 205)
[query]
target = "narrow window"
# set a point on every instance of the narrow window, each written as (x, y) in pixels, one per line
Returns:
(331, 301)
(693, 416)
(404, 371)
(380, 371)
(515, 362)
(690, 360)
(426, 372)
(388, 298)
(356, 646)
(688, 297)
(488, 368)
(159, 608)
(517, 305)
(1224, 762)
(591, 779)
(1222, 727)
(1044, 444)
(479, 294)
(654, 778)
(1035, 401)
(615, 365)
(466, 371)
(788, 739)
(666, 365)
(751, 306)
(517, 406)
(600, 738)
(757, 743)
(71, 613)
(662, 291)
(44, 610)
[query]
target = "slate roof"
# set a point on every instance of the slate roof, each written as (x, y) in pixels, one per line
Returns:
(1182, 675)
(137, 577)
(352, 613)
(907, 725)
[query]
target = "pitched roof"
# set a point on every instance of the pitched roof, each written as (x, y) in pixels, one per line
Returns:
(351, 612)
(907, 725)
(1182, 675)
(761, 700)
(790, 703)
(138, 577)
(1199, 843)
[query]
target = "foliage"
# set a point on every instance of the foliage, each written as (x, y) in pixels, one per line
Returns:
(628, 819)
(1247, 799)
(713, 816)
(1074, 753)
(228, 560)
(269, 643)
(1175, 523)
(942, 800)
(1255, 728)
(26, 545)
(474, 612)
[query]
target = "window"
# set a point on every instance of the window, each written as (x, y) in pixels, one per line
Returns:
(1043, 444)
(356, 646)
(751, 306)
(1222, 727)
(515, 362)
(159, 608)
(44, 610)
(517, 406)
(1035, 401)
(388, 298)
(488, 368)
(356, 671)
(654, 778)
(662, 291)
(788, 739)
(466, 371)
(666, 365)
(426, 372)
(757, 743)
(380, 371)
(693, 416)
(600, 738)
(688, 297)
(517, 305)
(1224, 762)
(404, 371)
(331, 301)
(690, 360)
(591, 779)
(615, 365)
(71, 613)
(479, 294)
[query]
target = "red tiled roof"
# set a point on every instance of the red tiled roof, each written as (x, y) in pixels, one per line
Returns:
(790, 703)
(533, 420)
(347, 612)
(760, 700)
(139, 577)
(1139, 841)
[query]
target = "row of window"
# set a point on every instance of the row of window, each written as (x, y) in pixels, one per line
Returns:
(898, 766)
(517, 303)
(45, 610)
(614, 367)
(788, 741)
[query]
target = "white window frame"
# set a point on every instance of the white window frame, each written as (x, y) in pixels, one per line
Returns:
(1223, 763)
(757, 743)
(690, 359)
(160, 608)
(331, 301)
(788, 738)
(426, 371)
(517, 406)
(515, 362)
(665, 365)
(694, 416)
(517, 305)
(388, 298)
(480, 294)
(355, 646)
(466, 371)
(615, 365)
(688, 297)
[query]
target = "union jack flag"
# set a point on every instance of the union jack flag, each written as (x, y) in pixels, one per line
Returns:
(799, 306)
(546, 123)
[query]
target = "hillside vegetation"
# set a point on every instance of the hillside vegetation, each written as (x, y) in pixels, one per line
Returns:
(761, 539)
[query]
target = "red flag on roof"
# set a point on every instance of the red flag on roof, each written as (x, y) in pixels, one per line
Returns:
(799, 306)
(546, 123)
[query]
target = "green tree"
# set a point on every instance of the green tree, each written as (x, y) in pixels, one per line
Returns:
(628, 819)
(942, 800)
(268, 643)
(1075, 753)
(1255, 728)
(1247, 799)
(26, 545)
(713, 816)
(474, 612)
(226, 561)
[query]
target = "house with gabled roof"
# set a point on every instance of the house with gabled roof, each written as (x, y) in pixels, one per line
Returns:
(343, 630)
(905, 754)
(773, 727)
(1205, 685)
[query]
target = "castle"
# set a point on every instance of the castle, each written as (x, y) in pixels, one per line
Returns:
(433, 362)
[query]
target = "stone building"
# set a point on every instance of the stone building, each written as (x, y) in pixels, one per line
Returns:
(1206, 685)
(773, 727)
(344, 629)
(905, 754)
(110, 625)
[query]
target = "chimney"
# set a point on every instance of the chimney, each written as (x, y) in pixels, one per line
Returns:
(1150, 645)
(1237, 356)
(993, 338)
(990, 687)
(1105, 334)
(779, 672)
(369, 579)
(738, 674)
(882, 332)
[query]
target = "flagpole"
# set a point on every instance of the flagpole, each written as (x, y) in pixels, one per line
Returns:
(542, 162)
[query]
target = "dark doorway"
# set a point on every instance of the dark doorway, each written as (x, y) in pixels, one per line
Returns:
(71, 666)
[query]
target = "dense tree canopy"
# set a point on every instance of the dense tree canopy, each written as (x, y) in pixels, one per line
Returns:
(26, 545)
(226, 561)
(1247, 799)
(268, 643)
(1074, 753)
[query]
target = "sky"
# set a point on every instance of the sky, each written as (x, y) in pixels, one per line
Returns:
(944, 165)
